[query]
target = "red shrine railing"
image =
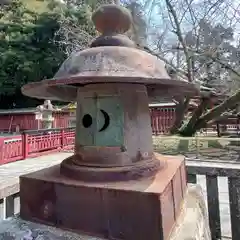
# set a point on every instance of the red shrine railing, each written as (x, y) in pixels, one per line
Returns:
(162, 118)
(34, 143)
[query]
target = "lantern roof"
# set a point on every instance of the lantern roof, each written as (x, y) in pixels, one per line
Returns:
(111, 58)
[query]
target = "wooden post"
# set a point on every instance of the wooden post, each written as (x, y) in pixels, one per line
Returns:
(192, 178)
(2, 209)
(62, 138)
(234, 200)
(238, 123)
(25, 146)
(213, 206)
(10, 206)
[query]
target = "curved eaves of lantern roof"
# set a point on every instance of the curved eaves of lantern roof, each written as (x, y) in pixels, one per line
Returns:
(111, 58)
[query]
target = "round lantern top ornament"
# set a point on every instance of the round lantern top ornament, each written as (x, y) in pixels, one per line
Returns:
(111, 58)
(112, 18)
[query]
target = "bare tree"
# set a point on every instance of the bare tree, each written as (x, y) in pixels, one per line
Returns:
(197, 40)
(77, 36)
(206, 54)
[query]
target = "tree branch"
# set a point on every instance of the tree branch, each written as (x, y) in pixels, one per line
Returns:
(225, 65)
(183, 73)
(181, 40)
(218, 110)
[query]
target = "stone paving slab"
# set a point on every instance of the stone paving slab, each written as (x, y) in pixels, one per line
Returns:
(17, 229)
(9, 173)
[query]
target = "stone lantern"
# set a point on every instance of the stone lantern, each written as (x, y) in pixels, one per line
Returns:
(46, 111)
(114, 185)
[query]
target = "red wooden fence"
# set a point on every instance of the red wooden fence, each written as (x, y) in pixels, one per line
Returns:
(27, 121)
(35, 143)
(162, 119)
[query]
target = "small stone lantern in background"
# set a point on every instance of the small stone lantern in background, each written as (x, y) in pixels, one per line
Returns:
(46, 114)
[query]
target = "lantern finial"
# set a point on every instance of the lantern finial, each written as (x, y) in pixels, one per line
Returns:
(112, 18)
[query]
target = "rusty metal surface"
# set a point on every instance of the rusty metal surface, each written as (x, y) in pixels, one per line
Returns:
(72, 168)
(115, 40)
(94, 156)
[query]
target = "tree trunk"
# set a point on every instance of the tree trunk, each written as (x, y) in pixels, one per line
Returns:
(180, 111)
(212, 114)
(189, 128)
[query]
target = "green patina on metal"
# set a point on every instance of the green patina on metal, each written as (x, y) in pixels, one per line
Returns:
(85, 135)
(101, 121)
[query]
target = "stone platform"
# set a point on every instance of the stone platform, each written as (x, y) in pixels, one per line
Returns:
(134, 209)
(192, 224)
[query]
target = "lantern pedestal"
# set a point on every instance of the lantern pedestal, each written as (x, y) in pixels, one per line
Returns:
(142, 209)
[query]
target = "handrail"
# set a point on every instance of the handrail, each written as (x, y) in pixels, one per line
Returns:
(32, 143)
(47, 130)
(213, 170)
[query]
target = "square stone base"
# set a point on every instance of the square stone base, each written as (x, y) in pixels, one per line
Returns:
(144, 209)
